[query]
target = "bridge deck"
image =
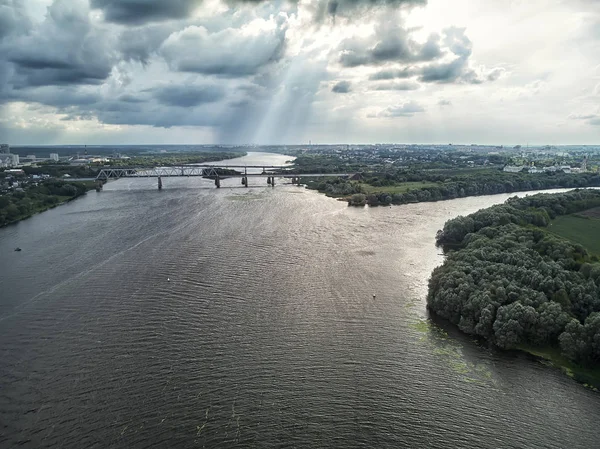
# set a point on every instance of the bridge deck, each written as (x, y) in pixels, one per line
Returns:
(205, 171)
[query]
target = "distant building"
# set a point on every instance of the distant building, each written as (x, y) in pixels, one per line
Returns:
(512, 169)
(535, 170)
(4, 148)
(54, 157)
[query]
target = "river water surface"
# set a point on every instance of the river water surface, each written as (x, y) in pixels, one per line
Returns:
(259, 317)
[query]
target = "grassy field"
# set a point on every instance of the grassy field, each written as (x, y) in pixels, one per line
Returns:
(399, 188)
(591, 213)
(585, 231)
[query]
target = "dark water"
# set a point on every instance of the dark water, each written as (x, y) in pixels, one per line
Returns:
(266, 335)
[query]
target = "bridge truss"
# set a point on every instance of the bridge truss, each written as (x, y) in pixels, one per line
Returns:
(156, 172)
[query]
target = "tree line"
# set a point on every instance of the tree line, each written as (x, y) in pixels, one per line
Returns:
(460, 186)
(18, 205)
(510, 281)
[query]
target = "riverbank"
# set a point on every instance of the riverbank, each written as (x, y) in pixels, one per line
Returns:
(20, 205)
(589, 377)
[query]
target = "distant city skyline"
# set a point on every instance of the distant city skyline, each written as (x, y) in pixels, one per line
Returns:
(101, 72)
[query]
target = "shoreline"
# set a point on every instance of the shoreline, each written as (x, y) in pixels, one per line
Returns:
(588, 377)
(62, 200)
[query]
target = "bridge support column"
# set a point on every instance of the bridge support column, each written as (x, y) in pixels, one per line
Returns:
(159, 183)
(272, 181)
(269, 180)
(218, 182)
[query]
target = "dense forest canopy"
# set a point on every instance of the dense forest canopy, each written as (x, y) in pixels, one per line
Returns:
(513, 283)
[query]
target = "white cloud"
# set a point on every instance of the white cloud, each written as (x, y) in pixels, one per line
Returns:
(278, 71)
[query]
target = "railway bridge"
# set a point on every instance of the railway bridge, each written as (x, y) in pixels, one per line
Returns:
(216, 172)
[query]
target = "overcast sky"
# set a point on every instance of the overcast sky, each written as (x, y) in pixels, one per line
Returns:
(269, 72)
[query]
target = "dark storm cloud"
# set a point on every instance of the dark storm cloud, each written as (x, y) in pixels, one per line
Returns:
(64, 49)
(129, 98)
(61, 97)
(231, 52)
(403, 85)
(390, 43)
(456, 70)
(158, 116)
(139, 44)
(13, 19)
(355, 8)
(343, 87)
(392, 74)
(135, 12)
(443, 72)
(188, 96)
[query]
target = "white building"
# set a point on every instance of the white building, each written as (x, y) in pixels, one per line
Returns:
(54, 157)
(9, 160)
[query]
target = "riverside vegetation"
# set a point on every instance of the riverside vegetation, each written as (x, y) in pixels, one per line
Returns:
(19, 205)
(405, 187)
(510, 280)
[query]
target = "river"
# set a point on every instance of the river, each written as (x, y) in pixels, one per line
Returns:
(253, 317)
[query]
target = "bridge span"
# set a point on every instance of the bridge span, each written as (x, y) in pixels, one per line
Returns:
(216, 172)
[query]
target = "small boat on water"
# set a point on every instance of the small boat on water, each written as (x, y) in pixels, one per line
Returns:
(17, 249)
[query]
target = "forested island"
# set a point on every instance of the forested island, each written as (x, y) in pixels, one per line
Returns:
(21, 204)
(404, 187)
(511, 278)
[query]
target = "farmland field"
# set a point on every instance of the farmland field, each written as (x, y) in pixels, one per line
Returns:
(579, 228)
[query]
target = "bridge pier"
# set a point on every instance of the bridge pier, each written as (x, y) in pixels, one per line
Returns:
(159, 183)
(218, 182)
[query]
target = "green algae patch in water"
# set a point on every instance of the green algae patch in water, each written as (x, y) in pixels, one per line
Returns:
(451, 353)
